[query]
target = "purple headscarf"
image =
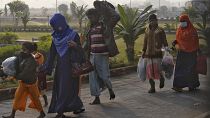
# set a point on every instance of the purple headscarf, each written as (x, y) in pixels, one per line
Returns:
(62, 33)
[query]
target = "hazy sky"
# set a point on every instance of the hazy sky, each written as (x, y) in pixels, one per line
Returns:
(51, 3)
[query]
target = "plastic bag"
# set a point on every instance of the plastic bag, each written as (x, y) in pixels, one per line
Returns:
(141, 69)
(168, 65)
(201, 65)
(9, 66)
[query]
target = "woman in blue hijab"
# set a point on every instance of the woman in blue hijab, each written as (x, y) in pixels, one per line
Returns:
(65, 89)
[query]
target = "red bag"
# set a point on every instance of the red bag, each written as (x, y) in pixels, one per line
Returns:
(201, 66)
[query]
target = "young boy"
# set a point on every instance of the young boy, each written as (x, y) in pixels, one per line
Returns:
(41, 76)
(26, 75)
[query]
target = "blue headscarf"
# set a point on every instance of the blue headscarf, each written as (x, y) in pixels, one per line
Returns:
(62, 33)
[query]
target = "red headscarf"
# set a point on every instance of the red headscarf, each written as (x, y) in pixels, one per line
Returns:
(187, 38)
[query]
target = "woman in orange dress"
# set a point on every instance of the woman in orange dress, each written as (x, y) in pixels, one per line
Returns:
(187, 45)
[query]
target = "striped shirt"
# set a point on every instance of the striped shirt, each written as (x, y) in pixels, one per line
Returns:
(98, 45)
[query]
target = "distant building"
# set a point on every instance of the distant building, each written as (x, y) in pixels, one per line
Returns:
(156, 3)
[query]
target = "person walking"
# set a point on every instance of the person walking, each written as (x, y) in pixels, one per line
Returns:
(154, 40)
(66, 87)
(41, 76)
(101, 46)
(187, 44)
(26, 76)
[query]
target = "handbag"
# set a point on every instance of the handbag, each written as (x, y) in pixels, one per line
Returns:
(83, 68)
(80, 65)
(201, 65)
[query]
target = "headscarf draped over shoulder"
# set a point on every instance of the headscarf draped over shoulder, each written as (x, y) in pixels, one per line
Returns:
(62, 33)
(187, 38)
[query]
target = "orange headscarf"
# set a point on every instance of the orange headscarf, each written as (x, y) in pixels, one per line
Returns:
(187, 38)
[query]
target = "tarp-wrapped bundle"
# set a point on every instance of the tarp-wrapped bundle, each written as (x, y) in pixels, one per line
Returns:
(9, 66)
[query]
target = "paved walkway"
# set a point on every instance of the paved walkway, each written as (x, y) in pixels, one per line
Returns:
(133, 101)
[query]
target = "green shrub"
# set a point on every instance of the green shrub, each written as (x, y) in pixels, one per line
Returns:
(8, 38)
(44, 46)
(45, 43)
(8, 51)
(45, 38)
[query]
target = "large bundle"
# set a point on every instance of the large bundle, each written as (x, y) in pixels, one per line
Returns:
(105, 9)
(9, 66)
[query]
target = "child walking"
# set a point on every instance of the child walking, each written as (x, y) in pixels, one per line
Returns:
(41, 76)
(26, 75)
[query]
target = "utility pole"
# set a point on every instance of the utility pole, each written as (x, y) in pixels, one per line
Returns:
(130, 3)
(56, 4)
(159, 4)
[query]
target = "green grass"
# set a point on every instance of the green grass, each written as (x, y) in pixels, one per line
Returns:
(30, 35)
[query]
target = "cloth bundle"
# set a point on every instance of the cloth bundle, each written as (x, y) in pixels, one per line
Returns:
(9, 66)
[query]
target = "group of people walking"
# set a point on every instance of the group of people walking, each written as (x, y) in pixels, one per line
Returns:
(100, 46)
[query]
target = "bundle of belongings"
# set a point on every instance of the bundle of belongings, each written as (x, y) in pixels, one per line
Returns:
(8, 66)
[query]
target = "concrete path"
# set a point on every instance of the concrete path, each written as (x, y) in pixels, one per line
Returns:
(133, 101)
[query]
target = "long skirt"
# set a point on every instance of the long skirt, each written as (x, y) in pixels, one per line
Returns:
(185, 74)
(153, 68)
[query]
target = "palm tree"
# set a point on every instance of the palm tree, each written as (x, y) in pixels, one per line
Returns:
(192, 13)
(79, 13)
(204, 29)
(132, 24)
